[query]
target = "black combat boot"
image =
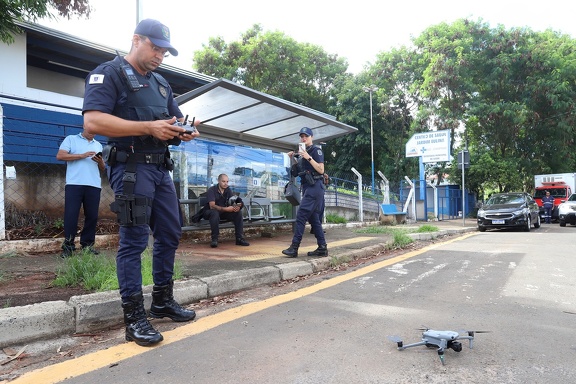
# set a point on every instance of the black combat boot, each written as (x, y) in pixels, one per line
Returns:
(322, 250)
(292, 251)
(138, 328)
(164, 305)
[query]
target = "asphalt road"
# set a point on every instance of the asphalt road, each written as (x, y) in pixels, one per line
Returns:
(520, 286)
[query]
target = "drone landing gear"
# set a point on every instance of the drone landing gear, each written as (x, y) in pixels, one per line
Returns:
(441, 355)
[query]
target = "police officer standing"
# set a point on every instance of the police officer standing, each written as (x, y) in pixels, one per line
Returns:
(310, 165)
(135, 108)
(548, 204)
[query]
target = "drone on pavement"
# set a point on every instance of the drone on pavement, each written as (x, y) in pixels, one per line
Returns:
(441, 340)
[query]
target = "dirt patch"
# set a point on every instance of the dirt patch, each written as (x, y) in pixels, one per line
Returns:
(34, 287)
(52, 231)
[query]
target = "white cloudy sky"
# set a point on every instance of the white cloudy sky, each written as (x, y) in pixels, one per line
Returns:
(356, 30)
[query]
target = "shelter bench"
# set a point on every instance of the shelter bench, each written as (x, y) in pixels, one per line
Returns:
(258, 212)
(390, 213)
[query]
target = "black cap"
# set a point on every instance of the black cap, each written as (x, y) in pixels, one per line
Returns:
(307, 131)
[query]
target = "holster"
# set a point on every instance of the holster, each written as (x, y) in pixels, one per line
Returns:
(130, 210)
(109, 154)
(306, 177)
(168, 162)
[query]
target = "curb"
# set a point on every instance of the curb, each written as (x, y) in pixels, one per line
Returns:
(97, 311)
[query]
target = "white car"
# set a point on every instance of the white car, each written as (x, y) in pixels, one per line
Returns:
(567, 211)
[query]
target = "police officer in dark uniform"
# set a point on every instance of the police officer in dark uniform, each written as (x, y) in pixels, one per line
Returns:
(135, 108)
(310, 169)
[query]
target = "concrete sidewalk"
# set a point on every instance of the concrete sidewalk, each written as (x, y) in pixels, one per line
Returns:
(211, 272)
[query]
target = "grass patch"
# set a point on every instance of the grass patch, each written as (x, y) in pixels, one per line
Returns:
(335, 219)
(427, 228)
(98, 272)
(401, 240)
(400, 234)
(386, 229)
(383, 229)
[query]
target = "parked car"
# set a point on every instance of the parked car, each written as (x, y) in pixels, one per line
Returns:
(502, 210)
(567, 211)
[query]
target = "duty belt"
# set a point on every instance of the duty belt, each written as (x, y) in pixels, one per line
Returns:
(152, 158)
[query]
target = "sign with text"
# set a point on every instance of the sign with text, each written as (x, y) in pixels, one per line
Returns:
(433, 146)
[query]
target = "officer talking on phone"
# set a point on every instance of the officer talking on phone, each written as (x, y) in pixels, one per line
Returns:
(310, 169)
(135, 108)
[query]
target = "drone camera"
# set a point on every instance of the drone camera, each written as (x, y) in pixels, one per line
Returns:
(455, 345)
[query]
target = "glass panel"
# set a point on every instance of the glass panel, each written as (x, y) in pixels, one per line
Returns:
(252, 172)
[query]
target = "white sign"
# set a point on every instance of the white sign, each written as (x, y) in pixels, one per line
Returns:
(433, 146)
(11, 172)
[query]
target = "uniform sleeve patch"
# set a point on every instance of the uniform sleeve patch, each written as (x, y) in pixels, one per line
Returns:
(96, 79)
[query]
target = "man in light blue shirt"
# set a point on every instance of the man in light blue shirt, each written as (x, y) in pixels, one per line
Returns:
(83, 157)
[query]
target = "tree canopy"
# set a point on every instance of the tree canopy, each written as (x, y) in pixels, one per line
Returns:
(29, 10)
(508, 95)
(273, 63)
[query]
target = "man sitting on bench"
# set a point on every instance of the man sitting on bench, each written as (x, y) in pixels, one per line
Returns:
(218, 207)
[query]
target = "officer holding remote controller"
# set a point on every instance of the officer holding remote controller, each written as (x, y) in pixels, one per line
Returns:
(135, 108)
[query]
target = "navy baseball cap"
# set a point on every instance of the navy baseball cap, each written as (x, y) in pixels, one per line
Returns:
(157, 33)
(307, 131)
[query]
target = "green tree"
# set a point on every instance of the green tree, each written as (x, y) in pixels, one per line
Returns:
(23, 10)
(510, 93)
(273, 63)
(525, 101)
(393, 106)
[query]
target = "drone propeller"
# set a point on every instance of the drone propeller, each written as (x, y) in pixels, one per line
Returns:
(395, 339)
(468, 331)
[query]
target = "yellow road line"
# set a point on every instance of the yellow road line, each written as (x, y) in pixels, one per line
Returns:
(100, 359)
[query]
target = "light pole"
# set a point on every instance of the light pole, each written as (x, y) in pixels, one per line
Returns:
(371, 89)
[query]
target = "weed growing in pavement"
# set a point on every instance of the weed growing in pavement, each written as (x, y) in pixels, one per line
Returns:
(335, 261)
(7, 303)
(376, 229)
(98, 272)
(401, 240)
(427, 228)
(394, 230)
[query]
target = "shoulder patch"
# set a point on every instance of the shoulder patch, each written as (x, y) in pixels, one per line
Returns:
(319, 151)
(96, 79)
